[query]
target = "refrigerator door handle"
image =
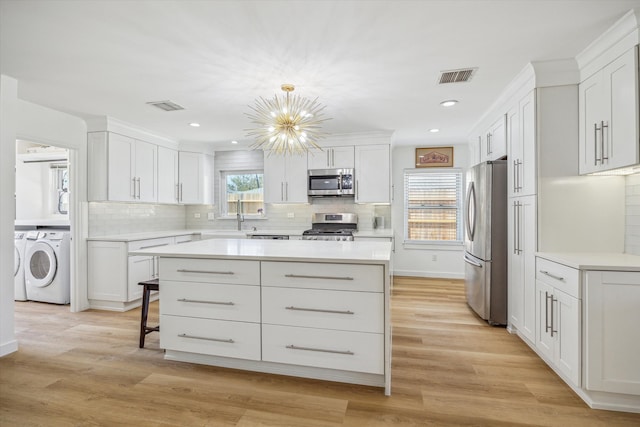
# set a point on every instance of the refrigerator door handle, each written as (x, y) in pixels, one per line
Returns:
(471, 211)
(472, 262)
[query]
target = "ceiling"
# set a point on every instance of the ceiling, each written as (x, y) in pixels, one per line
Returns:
(374, 64)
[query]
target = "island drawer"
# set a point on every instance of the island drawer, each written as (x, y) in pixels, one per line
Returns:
(339, 310)
(214, 337)
(349, 351)
(561, 277)
(211, 301)
(210, 270)
(345, 277)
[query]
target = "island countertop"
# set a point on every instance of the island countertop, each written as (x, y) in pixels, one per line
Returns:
(365, 252)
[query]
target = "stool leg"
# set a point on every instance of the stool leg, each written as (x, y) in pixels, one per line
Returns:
(145, 313)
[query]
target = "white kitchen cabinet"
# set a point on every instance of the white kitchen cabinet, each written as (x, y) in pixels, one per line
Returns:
(168, 177)
(113, 275)
(493, 143)
(323, 315)
(332, 157)
(474, 150)
(558, 331)
(373, 173)
(121, 169)
(522, 226)
(612, 336)
(608, 108)
(285, 179)
(521, 142)
(191, 177)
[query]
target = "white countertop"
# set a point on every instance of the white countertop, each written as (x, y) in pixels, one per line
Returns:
(377, 232)
(594, 261)
(132, 237)
(278, 250)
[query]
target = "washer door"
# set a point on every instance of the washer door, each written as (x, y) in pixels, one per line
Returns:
(16, 261)
(42, 265)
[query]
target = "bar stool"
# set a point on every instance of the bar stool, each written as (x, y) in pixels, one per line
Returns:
(149, 285)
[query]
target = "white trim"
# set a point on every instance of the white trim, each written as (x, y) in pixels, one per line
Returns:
(8, 347)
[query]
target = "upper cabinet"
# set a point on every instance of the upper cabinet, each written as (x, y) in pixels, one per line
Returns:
(285, 179)
(168, 179)
(608, 106)
(121, 169)
(124, 169)
(373, 173)
(332, 157)
(493, 143)
(521, 143)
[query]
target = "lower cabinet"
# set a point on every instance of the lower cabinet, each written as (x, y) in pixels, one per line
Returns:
(559, 317)
(113, 275)
(294, 317)
(612, 333)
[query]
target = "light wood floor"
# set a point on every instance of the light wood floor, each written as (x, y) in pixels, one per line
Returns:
(449, 368)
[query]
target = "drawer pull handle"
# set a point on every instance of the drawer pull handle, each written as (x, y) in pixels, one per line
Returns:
(319, 310)
(546, 273)
(206, 302)
(195, 337)
(321, 350)
(302, 276)
(204, 271)
(154, 246)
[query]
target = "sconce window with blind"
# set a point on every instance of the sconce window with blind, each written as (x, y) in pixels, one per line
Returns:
(433, 206)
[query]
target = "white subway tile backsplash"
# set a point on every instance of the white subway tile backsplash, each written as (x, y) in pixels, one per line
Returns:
(123, 218)
(632, 214)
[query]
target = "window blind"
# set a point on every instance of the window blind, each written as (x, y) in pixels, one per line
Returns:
(433, 205)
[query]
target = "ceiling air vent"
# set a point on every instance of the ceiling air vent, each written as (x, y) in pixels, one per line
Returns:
(166, 105)
(457, 76)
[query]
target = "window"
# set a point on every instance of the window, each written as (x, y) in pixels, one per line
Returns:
(433, 205)
(245, 186)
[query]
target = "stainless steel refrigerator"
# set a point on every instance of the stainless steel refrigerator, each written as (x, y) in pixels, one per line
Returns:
(486, 241)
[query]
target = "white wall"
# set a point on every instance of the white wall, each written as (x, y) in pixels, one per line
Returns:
(27, 121)
(414, 260)
(8, 110)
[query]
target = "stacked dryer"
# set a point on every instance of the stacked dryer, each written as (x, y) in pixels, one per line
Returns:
(47, 267)
(20, 243)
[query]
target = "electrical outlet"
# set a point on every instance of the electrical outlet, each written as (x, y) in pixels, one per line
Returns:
(210, 216)
(434, 258)
(196, 215)
(291, 215)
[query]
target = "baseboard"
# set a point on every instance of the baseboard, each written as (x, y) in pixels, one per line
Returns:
(429, 274)
(8, 348)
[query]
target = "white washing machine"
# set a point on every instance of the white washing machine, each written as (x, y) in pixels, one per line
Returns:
(47, 266)
(20, 243)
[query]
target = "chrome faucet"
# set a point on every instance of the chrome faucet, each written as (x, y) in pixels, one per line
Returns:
(239, 216)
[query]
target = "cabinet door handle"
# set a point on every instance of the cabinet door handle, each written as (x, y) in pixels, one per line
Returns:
(553, 331)
(206, 302)
(177, 192)
(138, 187)
(181, 193)
(302, 276)
(546, 311)
(281, 191)
(322, 350)
(595, 144)
(328, 161)
(195, 337)
(519, 175)
(286, 191)
(357, 190)
(154, 246)
(333, 158)
(133, 187)
(515, 229)
(515, 179)
(603, 126)
(319, 310)
(546, 273)
(182, 270)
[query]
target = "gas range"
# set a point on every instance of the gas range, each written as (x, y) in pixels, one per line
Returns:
(332, 227)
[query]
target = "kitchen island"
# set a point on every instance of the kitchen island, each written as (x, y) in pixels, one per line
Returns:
(314, 309)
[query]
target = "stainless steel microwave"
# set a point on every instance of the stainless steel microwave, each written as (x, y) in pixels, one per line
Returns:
(330, 182)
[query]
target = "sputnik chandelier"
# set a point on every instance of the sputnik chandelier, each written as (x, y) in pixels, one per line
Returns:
(286, 125)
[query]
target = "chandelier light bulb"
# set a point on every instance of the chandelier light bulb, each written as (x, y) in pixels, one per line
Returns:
(286, 125)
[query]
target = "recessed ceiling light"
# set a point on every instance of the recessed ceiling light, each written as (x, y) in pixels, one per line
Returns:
(195, 125)
(449, 103)
(434, 130)
(234, 142)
